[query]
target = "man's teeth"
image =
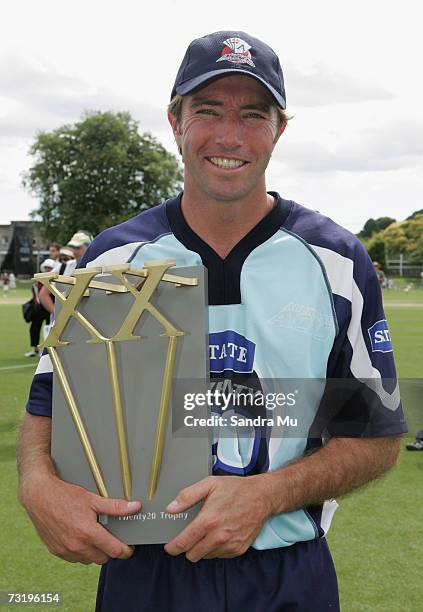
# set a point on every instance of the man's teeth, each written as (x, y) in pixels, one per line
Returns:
(224, 162)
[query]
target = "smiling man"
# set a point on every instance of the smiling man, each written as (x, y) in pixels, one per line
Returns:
(291, 296)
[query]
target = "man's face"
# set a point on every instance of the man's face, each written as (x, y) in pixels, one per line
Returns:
(79, 251)
(227, 134)
(53, 252)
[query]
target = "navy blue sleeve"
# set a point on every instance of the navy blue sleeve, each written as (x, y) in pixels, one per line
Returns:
(40, 393)
(362, 393)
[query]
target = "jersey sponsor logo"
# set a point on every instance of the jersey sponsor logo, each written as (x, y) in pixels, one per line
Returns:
(229, 350)
(236, 51)
(380, 337)
(304, 319)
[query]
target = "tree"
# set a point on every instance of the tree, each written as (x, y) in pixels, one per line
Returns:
(372, 226)
(96, 173)
(406, 238)
(377, 250)
(415, 214)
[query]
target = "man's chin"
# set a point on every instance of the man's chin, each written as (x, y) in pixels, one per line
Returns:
(229, 196)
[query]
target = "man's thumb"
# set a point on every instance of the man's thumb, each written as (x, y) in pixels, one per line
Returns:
(115, 507)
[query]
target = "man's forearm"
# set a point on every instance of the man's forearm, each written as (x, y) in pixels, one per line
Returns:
(342, 465)
(33, 450)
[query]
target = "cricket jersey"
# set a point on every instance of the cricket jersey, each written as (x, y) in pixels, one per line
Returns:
(296, 299)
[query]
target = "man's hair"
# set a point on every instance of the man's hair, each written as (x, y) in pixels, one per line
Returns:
(54, 245)
(175, 109)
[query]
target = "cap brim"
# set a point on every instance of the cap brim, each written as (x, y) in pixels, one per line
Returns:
(189, 86)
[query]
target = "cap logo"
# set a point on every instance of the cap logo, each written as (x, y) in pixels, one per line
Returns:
(236, 51)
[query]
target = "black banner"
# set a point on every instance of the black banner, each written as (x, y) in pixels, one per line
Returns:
(19, 255)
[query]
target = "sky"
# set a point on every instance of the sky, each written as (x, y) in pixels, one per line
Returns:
(352, 150)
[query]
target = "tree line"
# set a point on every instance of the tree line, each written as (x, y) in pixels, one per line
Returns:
(387, 238)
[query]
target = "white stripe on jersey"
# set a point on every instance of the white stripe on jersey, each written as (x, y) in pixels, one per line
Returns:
(328, 510)
(44, 365)
(343, 284)
(118, 255)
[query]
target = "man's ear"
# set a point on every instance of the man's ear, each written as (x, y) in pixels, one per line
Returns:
(280, 131)
(174, 125)
(176, 130)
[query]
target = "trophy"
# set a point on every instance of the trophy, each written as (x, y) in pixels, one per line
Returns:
(121, 337)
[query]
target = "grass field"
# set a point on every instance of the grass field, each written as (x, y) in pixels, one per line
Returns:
(26, 564)
(375, 534)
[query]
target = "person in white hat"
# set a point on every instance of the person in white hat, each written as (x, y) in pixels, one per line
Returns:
(68, 260)
(79, 243)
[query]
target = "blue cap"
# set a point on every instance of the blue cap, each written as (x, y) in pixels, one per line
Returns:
(225, 53)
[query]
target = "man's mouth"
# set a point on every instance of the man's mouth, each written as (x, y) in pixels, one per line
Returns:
(225, 162)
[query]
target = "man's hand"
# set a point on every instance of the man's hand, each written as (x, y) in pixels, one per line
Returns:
(64, 514)
(232, 515)
(65, 517)
(235, 508)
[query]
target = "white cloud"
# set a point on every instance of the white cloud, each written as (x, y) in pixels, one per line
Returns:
(392, 146)
(320, 85)
(35, 96)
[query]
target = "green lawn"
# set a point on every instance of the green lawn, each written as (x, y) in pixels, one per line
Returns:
(406, 327)
(26, 563)
(407, 291)
(22, 292)
(375, 534)
(376, 544)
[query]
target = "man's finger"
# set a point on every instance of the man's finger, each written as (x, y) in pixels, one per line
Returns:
(191, 495)
(114, 507)
(203, 548)
(110, 545)
(89, 555)
(188, 538)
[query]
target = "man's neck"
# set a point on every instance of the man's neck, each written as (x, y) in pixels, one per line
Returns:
(223, 224)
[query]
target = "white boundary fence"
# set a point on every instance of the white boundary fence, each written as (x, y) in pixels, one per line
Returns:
(399, 266)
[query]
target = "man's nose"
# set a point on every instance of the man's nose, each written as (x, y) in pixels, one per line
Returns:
(229, 133)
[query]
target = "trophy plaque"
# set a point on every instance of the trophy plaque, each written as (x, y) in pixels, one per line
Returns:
(121, 337)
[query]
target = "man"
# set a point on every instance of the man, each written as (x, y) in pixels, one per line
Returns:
(300, 296)
(69, 256)
(79, 243)
(53, 251)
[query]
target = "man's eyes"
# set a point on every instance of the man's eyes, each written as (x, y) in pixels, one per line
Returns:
(246, 115)
(254, 115)
(206, 111)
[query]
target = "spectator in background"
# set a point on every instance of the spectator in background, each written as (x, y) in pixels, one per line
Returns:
(71, 253)
(40, 315)
(66, 266)
(79, 243)
(418, 444)
(12, 281)
(380, 273)
(5, 281)
(53, 251)
(66, 260)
